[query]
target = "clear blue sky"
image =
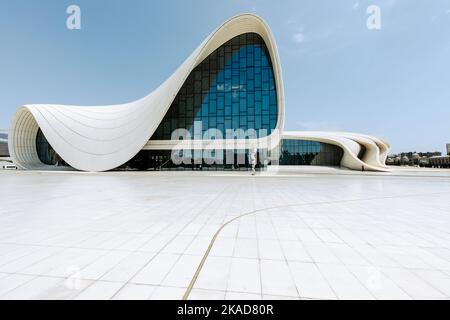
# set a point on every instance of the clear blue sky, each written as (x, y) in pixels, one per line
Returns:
(338, 75)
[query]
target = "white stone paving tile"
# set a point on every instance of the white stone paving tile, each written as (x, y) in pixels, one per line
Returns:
(12, 281)
(443, 253)
(348, 255)
(156, 270)
(327, 236)
(9, 253)
(200, 294)
(64, 262)
(3, 275)
(182, 272)
(96, 240)
(128, 267)
(244, 276)
(178, 245)
(433, 261)
(246, 248)
(134, 243)
(276, 279)
(104, 264)
(272, 297)
(349, 237)
(285, 233)
(414, 286)
(198, 246)
(100, 290)
(215, 274)
(295, 251)
(270, 249)
(415, 240)
(321, 253)
(29, 259)
(134, 292)
(116, 241)
(307, 235)
(156, 243)
(310, 282)
(378, 284)
(375, 256)
(230, 231)
(167, 293)
(242, 296)
(433, 238)
(265, 231)
(344, 283)
(37, 288)
(403, 257)
(437, 279)
(223, 247)
(247, 228)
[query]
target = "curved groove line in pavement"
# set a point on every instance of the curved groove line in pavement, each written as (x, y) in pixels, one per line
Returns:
(213, 240)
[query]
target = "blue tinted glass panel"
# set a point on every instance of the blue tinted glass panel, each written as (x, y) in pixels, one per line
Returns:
(233, 88)
(304, 152)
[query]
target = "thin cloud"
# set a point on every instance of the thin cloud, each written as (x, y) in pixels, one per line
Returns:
(298, 37)
(355, 5)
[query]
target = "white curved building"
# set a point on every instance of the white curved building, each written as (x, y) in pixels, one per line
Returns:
(226, 99)
(351, 150)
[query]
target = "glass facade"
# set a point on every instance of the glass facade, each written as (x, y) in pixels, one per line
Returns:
(4, 149)
(45, 151)
(231, 160)
(233, 88)
(305, 152)
(4, 152)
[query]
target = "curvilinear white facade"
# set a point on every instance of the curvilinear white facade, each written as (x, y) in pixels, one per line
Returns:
(100, 138)
(360, 151)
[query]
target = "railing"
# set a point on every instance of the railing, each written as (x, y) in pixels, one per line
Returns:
(162, 165)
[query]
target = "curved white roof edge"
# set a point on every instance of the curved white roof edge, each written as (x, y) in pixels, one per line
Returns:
(103, 138)
(373, 158)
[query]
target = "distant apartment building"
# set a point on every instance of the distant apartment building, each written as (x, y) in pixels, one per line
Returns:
(411, 155)
(421, 159)
(439, 162)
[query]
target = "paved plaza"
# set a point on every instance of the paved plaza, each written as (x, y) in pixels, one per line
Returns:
(324, 234)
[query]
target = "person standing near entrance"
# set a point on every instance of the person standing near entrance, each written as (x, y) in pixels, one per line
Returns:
(253, 160)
